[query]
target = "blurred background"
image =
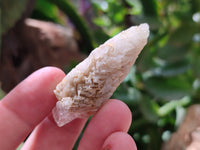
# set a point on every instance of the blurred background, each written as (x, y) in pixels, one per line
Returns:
(163, 87)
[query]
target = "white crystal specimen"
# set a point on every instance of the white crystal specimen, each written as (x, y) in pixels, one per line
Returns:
(92, 82)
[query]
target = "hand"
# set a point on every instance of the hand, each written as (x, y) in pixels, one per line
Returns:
(27, 108)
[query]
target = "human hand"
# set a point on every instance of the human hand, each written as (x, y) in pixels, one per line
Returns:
(27, 108)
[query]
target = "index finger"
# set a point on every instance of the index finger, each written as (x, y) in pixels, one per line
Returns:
(27, 105)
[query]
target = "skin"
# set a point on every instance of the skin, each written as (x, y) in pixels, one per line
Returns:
(27, 110)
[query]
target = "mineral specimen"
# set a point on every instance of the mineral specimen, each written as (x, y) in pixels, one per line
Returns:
(92, 82)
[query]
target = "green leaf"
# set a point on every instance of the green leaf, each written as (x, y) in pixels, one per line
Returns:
(175, 68)
(171, 69)
(145, 60)
(100, 5)
(150, 7)
(154, 22)
(149, 109)
(46, 11)
(182, 36)
(131, 76)
(180, 114)
(172, 105)
(126, 93)
(172, 52)
(116, 12)
(168, 88)
(136, 6)
(195, 5)
(195, 61)
(102, 21)
(100, 36)
(79, 23)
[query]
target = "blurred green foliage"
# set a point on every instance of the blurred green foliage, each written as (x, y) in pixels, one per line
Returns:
(166, 77)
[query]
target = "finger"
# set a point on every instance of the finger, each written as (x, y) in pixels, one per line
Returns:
(27, 105)
(48, 135)
(119, 141)
(113, 116)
